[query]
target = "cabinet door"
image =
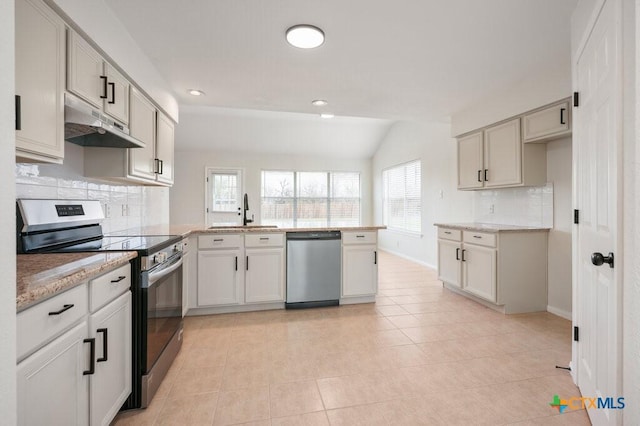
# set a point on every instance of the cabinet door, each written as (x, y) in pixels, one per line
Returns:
(117, 102)
(479, 271)
(142, 125)
(547, 123)
(449, 262)
(220, 275)
(264, 276)
(85, 72)
(52, 389)
(503, 154)
(470, 161)
(40, 68)
(164, 148)
(110, 386)
(359, 270)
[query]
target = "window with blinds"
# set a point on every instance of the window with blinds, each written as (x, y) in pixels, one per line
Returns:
(401, 197)
(310, 199)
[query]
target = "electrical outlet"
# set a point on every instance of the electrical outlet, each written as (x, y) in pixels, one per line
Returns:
(441, 193)
(492, 208)
(107, 211)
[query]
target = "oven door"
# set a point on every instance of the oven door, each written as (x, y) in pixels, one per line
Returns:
(162, 306)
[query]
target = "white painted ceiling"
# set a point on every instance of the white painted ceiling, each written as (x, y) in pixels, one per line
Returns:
(403, 59)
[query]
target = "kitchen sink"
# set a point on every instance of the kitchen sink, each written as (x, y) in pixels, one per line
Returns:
(243, 227)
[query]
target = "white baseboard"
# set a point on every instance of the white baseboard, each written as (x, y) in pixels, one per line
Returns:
(559, 312)
(404, 256)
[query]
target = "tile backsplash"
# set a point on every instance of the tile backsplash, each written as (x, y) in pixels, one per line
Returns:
(125, 206)
(529, 206)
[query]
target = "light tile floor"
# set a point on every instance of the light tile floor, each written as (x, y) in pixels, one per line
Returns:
(420, 355)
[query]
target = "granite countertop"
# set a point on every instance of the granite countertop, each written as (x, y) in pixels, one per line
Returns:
(41, 276)
(491, 227)
(186, 230)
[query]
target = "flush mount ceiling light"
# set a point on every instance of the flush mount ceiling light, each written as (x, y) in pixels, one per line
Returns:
(319, 102)
(305, 36)
(196, 92)
(327, 115)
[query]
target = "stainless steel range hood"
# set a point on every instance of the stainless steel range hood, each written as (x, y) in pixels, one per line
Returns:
(87, 126)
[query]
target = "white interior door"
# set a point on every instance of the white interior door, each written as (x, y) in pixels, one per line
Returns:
(597, 147)
(224, 197)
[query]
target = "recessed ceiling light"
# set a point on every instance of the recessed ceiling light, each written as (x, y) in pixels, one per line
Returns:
(319, 102)
(326, 115)
(305, 36)
(196, 92)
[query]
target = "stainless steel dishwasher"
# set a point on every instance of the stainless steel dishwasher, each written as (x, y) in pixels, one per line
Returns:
(314, 262)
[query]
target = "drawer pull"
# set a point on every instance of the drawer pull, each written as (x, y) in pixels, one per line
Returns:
(264, 238)
(64, 308)
(105, 353)
(92, 349)
(375, 257)
(359, 236)
(477, 236)
(218, 240)
(447, 232)
(120, 278)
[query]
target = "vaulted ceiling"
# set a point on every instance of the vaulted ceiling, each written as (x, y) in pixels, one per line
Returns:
(390, 60)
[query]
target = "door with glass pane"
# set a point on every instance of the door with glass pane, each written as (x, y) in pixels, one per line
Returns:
(224, 197)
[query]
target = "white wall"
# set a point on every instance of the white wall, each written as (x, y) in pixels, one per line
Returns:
(559, 169)
(631, 272)
(432, 144)
(7, 217)
(531, 92)
(100, 24)
(188, 192)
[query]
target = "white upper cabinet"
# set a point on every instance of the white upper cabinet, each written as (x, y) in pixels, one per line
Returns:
(164, 148)
(502, 155)
(96, 81)
(496, 158)
(142, 162)
(39, 81)
(548, 123)
(470, 163)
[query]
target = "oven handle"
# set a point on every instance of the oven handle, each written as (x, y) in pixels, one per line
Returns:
(158, 275)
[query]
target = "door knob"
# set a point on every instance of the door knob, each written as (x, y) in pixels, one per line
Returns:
(598, 259)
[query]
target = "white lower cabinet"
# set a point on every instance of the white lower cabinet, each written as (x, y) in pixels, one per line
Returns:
(449, 262)
(479, 271)
(506, 269)
(52, 388)
(110, 386)
(236, 269)
(359, 264)
(79, 374)
(219, 277)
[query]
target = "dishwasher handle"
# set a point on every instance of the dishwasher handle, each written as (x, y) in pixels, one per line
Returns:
(320, 235)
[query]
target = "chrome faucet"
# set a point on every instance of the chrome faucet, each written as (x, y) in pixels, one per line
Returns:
(245, 208)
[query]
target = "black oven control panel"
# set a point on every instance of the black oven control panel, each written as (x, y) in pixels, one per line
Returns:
(69, 210)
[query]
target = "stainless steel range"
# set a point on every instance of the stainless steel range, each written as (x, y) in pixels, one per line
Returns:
(61, 226)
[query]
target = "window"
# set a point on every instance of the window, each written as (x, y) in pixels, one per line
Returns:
(223, 196)
(310, 199)
(401, 197)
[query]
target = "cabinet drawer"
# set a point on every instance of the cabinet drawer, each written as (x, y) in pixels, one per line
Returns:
(479, 238)
(264, 240)
(450, 234)
(368, 237)
(40, 323)
(219, 241)
(109, 286)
